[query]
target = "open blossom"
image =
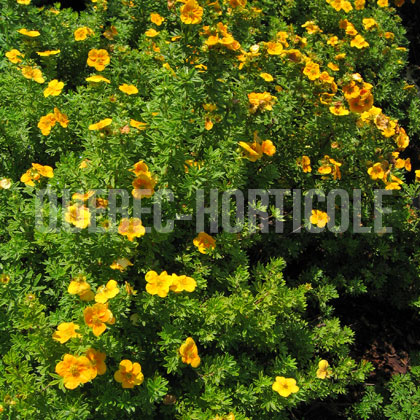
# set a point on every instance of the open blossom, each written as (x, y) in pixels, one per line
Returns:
(129, 374)
(319, 218)
(96, 78)
(5, 183)
(311, 70)
(46, 123)
(261, 101)
(35, 173)
(32, 73)
(138, 124)
(359, 42)
(156, 18)
(75, 370)
(204, 242)
(79, 286)
(47, 53)
(131, 228)
(377, 171)
(151, 33)
(78, 216)
(189, 353)
(285, 386)
(143, 185)
(182, 283)
(81, 34)
(97, 360)
(66, 331)
(14, 56)
(323, 370)
(191, 12)
(54, 88)
(128, 89)
(158, 284)
(97, 316)
(106, 292)
(98, 59)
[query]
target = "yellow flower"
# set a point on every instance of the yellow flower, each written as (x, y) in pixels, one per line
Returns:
(376, 171)
(110, 33)
(54, 88)
(338, 109)
(359, 42)
(261, 101)
(253, 151)
(25, 2)
(383, 3)
(311, 27)
(81, 34)
(333, 40)
(48, 53)
(128, 89)
(31, 34)
(101, 124)
(132, 228)
(66, 331)
(78, 216)
(79, 286)
(104, 293)
(129, 374)
(319, 218)
(14, 56)
(4, 278)
(158, 284)
(402, 139)
(359, 4)
(140, 167)
(181, 283)
(35, 173)
(333, 67)
(97, 316)
(285, 386)
(403, 163)
(189, 353)
(323, 370)
(311, 70)
(121, 264)
(32, 73)
(191, 12)
(75, 370)
(156, 18)
(369, 23)
(96, 78)
(274, 48)
(151, 33)
(395, 183)
(305, 163)
(417, 172)
(204, 242)
(267, 77)
(98, 59)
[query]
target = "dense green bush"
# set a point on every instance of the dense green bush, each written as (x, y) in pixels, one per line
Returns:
(288, 95)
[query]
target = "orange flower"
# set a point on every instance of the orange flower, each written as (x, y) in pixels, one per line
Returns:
(97, 316)
(81, 34)
(204, 242)
(158, 284)
(156, 18)
(261, 101)
(129, 374)
(98, 59)
(311, 70)
(75, 370)
(191, 12)
(143, 185)
(132, 228)
(66, 331)
(46, 123)
(305, 163)
(61, 118)
(97, 359)
(189, 353)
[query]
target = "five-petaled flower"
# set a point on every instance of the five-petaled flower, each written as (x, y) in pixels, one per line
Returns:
(35, 173)
(191, 12)
(66, 331)
(204, 242)
(97, 316)
(75, 370)
(129, 374)
(106, 292)
(131, 228)
(285, 386)
(158, 284)
(54, 88)
(98, 59)
(78, 216)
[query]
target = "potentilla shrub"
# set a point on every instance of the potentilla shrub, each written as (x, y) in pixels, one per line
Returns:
(109, 315)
